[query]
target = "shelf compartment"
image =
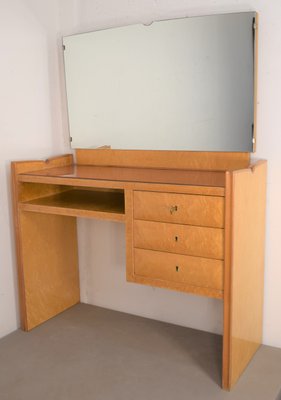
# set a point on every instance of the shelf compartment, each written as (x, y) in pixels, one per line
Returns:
(109, 205)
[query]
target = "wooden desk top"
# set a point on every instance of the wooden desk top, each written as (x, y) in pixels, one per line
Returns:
(70, 174)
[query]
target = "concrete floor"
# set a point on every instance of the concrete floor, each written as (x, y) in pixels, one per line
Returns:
(92, 353)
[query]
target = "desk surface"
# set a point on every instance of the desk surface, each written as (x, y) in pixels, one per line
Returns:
(67, 175)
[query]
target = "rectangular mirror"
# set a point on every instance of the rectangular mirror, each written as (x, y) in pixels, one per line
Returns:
(183, 84)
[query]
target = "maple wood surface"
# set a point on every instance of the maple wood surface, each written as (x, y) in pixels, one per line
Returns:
(50, 261)
(148, 175)
(247, 278)
(37, 244)
(170, 159)
(171, 267)
(179, 208)
(227, 283)
(182, 239)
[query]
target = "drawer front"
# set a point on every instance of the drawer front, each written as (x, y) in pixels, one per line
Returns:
(179, 208)
(170, 267)
(181, 239)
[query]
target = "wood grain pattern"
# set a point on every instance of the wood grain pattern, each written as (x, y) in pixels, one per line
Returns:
(92, 183)
(81, 203)
(179, 208)
(227, 282)
(50, 260)
(170, 267)
(129, 236)
(16, 169)
(180, 239)
(187, 189)
(248, 230)
(20, 167)
(216, 161)
(212, 261)
(148, 175)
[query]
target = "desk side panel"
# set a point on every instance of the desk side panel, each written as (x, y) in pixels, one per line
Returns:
(50, 265)
(247, 274)
(227, 280)
(28, 243)
(129, 235)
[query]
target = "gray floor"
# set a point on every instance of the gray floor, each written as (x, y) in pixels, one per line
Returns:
(92, 353)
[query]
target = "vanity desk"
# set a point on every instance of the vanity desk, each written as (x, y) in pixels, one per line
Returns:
(194, 223)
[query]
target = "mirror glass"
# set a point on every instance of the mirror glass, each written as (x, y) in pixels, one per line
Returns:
(183, 84)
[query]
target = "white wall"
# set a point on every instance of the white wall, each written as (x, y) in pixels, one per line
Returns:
(30, 116)
(102, 247)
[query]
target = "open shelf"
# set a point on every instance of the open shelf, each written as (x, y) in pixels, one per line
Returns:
(81, 203)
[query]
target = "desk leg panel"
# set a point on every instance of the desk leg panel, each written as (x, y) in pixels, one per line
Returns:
(129, 235)
(49, 265)
(244, 300)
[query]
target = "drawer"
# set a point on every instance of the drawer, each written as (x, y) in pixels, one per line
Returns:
(179, 208)
(170, 267)
(183, 239)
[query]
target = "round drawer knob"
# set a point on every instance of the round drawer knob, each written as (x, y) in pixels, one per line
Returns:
(177, 268)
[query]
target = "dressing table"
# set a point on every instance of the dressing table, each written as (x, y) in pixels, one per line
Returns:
(197, 227)
(195, 220)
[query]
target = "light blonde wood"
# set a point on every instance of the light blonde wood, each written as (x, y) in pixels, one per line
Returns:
(81, 203)
(227, 282)
(215, 262)
(148, 175)
(248, 230)
(217, 161)
(179, 208)
(129, 236)
(170, 267)
(180, 239)
(16, 169)
(188, 189)
(50, 261)
(20, 167)
(92, 183)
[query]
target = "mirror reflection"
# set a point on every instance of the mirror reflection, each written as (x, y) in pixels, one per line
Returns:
(184, 84)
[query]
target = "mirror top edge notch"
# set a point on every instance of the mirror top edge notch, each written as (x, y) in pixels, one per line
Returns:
(151, 22)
